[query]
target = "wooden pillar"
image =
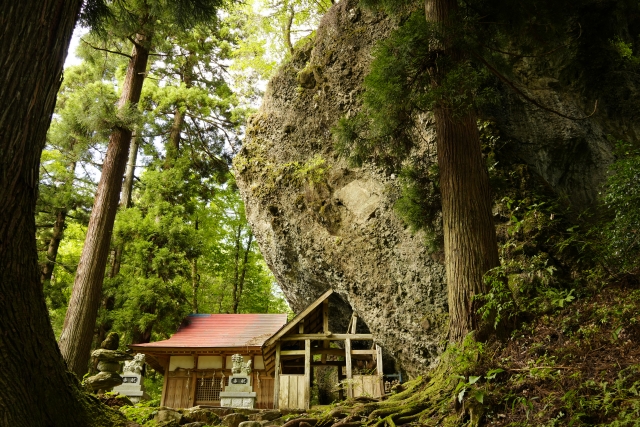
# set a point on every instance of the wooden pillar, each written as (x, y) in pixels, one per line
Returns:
(194, 381)
(325, 327)
(276, 379)
(224, 367)
(347, 359)
(307, 374)
(379, 369)
(340, 378)
(165, 383)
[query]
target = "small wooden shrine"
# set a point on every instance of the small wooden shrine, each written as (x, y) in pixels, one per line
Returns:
(306, 342)
(197, 360)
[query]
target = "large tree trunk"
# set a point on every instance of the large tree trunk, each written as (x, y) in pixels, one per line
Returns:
(35, 388)
(127, 187)
(470, 244)
(78, 330)
(125, 202)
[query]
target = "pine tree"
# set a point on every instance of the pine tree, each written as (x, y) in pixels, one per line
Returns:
(138, 22)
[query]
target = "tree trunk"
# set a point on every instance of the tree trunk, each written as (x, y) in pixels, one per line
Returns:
(195, 278)
(125, 202)
(54, 244)
(173, 147)
(80, 321)
(236, 271)
(56, 237)
(127, 187)
(35, 388)
(470, 244)
(239, 278)
(287, 29)
(195, 284)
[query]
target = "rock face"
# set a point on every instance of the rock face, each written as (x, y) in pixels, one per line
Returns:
(321, 224)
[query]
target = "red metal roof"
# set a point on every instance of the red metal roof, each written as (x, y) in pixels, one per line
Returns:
(222, 330)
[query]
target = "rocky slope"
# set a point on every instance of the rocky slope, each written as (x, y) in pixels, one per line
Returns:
(322, 224)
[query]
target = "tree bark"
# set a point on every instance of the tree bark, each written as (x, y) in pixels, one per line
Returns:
(470, 243)
(35, 388)
(127, 187)
(125, 202)
(80, 321)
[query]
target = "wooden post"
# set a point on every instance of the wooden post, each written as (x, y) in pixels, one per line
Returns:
(307, 373)
(194, 381)
(276, 379)
(165, 382)
(379, 369)
(347, 359)
(354, 323)
(340, 378)
(325, 327)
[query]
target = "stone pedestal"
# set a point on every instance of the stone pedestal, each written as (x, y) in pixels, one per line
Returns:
(132, 386)
(239, 393)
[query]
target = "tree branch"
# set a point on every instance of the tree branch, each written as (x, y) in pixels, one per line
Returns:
(105, 50)
(526, 97)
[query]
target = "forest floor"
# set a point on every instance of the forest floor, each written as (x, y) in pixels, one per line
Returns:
(576, 366)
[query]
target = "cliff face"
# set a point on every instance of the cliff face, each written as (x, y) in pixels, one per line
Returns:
(321, 224)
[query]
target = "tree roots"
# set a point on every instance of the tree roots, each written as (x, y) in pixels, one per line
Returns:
(424, 400)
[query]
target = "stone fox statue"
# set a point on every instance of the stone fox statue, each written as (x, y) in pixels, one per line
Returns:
(238, 366)
(135, 365)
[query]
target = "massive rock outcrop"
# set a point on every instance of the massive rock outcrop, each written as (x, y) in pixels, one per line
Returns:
(321, 224)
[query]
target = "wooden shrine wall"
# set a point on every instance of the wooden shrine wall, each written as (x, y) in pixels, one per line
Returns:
(292, 392)
(367, 385)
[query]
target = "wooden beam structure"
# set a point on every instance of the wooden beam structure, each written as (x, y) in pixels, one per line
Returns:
(307, 373)
(347, 359)
(379, 369)
(325, 327)
(329, 337)
(289, 354)
(276, 379)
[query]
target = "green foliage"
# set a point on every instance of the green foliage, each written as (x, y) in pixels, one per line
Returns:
(399, 87)
(381, 130)
(621, 198)
(625, 50)
(170, 227)
(419, 204)
(268, 30)
(141, 413)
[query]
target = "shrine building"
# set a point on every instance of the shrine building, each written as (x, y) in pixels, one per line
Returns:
(196, 361)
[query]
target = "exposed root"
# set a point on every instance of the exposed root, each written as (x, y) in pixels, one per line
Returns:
(298, 421)
(350, 424)
(423, 400)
